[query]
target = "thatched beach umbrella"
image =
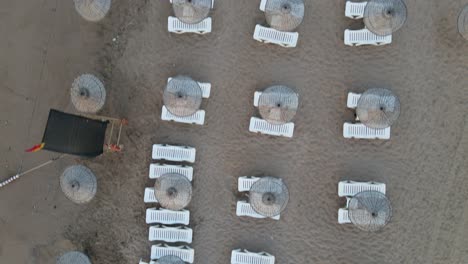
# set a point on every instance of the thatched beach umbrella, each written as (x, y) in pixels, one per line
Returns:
(378, 108)
(284, 15)
(278, 104)
(383, 17)
(73, 257)
(191, 11)
(463, 22)
(370, 210)
(173, 191)
(269, 196)
(170, 260)
(88, 94)
(182, 96)
(92, 10)
(78, 184)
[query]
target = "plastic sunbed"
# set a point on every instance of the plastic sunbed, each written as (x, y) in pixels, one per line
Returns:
(174, 25)
(258, 125)
(156, 170)
(244, 209)
(263, 5)
(351, 188)
(243, 256)
(355, 10)
(246, 182)
(186, 253)
(198, 118)
(149, 195)
(365, 37)
(173, 153)
(273, 36)
(353, 99)
(343, 217)
(360, 131)
(170, 234)
(167, 217)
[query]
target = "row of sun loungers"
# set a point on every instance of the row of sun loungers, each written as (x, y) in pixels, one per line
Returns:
(353, 10)
(171, 226)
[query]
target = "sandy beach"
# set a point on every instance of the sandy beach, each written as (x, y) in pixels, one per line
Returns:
(46, 44)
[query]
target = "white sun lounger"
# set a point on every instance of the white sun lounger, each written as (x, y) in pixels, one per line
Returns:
(244, 209)
(243, 256)
(173, 153)
(245, 183)
(167, 217)
(365, 37)
(174, 25)
(271, 35)
(205, 87)
(170, 234)
(198, 118)
(263, 5)
(185, 253)
(343, 217)
(156, 170)
(360, 131)
(212, 3)
(351, 188)
(149, 195)
(353, 99)
(258, 125)
(355, 10)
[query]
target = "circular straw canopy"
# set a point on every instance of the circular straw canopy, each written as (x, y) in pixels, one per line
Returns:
(73, 257)
(463, 22)
(170, 260)
(378, 108)
(173, 191)
(182, 96)
(269, 196)
(383, 17)
(370, 210)
(92, 10)
(88, 94)
(284, 15)
(278, 104)
(191, 11)
(78, 184)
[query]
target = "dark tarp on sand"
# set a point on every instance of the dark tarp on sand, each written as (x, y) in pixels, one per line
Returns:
(72, 134)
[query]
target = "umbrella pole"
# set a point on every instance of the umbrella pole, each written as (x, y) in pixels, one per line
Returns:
(17, 176)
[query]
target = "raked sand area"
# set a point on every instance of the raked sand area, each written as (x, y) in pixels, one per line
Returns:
(46, 44)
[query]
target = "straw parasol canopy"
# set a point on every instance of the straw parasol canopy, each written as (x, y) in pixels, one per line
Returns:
(278, 104)
(383, 17)
(370, 210)
(73, 257)
(463, 22)
(182, 96)
(88, 94)
(92, 10)
(78, 184)
(284, 15)
(269, 196)
(378, 108)
(170, 260)
(173, 191)
(191, 11)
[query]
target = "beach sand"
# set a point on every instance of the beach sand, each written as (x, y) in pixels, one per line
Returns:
(46, 45)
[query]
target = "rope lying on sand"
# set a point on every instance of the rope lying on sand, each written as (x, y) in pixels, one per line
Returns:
(17, 176)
